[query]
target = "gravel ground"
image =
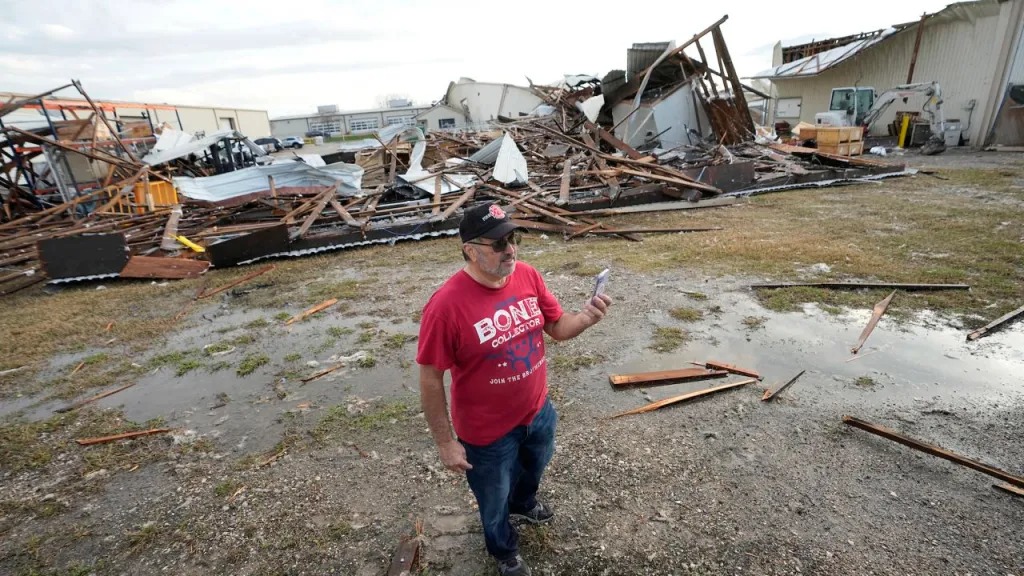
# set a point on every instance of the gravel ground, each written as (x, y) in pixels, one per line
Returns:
(326, 478)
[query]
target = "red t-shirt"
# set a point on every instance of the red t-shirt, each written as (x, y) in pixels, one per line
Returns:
(492, 340)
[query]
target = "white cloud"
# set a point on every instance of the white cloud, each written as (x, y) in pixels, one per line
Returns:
(57, 31)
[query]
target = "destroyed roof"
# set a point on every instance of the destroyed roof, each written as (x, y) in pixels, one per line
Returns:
(818, 63)
(849, 46)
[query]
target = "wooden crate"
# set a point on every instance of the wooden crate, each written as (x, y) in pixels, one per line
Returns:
(842, 149)
(834, 135)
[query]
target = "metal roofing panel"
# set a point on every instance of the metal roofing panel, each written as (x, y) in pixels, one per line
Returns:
(223, 187)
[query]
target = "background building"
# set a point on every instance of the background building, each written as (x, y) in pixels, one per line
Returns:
(332, 122)
(974, 50)
(195, 119)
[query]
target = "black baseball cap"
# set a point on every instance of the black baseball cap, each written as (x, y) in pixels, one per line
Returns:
(486, 221)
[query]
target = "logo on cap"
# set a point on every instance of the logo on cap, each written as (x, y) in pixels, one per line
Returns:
(496, 211)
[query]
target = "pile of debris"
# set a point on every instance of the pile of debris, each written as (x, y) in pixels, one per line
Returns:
(673, 133)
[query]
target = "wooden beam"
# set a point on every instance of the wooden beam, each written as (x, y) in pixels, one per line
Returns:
(234, 283)
(859, 285)
(684, 398)
(876, 314)
(715, 365)
(563, 191)
(768, 394)
(465, 197)
(609, 231)
(995, 324)
(321, 306)
(665, 376)
(100, 396)
(1009, 489)
(125, 436)
(917, 48)
(317, 210)
(934, 450)
(344, 213)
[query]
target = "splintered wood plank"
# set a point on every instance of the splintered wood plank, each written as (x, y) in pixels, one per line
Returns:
(116, 437)
(995, 324)
(890, 434)
(684, 398)
(768, 394)
(563, 191)
(321, 306)
(1010, 489)
(876, 315)
(165, 268)
(99, 396)
(665, 376)
(234, 283)
(714, 365)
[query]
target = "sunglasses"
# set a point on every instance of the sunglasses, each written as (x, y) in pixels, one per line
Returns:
(501, 245)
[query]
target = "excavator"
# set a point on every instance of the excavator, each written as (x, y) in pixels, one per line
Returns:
(859, 107)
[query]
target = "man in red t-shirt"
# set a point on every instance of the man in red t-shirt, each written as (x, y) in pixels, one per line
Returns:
(486, 325)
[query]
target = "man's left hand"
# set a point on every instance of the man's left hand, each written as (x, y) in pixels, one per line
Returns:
(597, 308)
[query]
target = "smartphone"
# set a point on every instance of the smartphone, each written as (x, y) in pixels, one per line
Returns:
(600, 281)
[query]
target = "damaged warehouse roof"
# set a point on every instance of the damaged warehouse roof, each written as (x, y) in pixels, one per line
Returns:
(671, 132)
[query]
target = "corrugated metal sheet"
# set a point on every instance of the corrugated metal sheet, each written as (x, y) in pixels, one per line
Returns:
(641, 55)
(247, 181)
(959, 54)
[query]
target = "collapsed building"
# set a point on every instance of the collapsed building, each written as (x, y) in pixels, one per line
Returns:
(671, 131)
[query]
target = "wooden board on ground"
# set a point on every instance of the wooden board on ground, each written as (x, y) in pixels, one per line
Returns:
(665, 376)
(166, 268)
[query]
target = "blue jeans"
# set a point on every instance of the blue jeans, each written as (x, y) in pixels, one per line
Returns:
(505, 477)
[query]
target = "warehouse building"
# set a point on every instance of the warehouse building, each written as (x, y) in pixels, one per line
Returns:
(329, 121)
(973, 50)
(196, 119)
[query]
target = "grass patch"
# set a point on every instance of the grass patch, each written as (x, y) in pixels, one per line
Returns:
(686, 314)
(282, 316)
(668, 339)
(573, 362)
(293, 357)
(166, 359)
(243, 340)
(367, 361)
(95, 359)
(218, 366)
(865, 381)
(754, 322)
(226, 488)
(345, 290)
(338, 420)
(187, 366)
(258, 323)
(366, 337)
(700, 296)
(251, 363)
(398, 340)
(217, 348)
(339, 331)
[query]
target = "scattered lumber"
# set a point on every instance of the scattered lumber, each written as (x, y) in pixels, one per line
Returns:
(715, 365)
(241, 280)
(99, 396)
(319, 307)
(996, 324)
(866, 285)
(684, 397)
(124, 436)
(665, 376)
(934, 450)
(769, 394)
(876, 314)
(322, 373)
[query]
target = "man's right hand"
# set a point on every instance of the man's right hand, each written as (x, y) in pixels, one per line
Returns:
(453, 456)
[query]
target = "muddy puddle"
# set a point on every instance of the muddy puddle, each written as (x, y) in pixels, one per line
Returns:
(921, 362)
(250, 413)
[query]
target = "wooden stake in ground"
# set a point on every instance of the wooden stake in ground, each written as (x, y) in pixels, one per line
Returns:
(125, 436)
(876, 314)
(684, 397)
(768, 394)
(895, 436)
(407, 557)
(321, 306)
(102, 395)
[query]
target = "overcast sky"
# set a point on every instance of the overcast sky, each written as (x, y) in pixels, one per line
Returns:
(287, 57)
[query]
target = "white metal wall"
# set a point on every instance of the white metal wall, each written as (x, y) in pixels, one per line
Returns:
(959, 54)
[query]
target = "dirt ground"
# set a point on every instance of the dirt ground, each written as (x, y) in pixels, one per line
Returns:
(265, 474)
